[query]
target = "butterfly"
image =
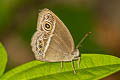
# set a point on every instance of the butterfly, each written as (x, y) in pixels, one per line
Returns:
(52, 42)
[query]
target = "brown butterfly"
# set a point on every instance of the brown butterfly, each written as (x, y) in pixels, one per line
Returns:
(52, 42)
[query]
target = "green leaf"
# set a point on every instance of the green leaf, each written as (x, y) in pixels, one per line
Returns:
(3, 59)
(92, 67)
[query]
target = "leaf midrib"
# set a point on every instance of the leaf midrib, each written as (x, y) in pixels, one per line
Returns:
(82, 69)
(64, 71)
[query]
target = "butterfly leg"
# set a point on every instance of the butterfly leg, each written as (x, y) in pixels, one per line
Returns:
(73, 67)
(61, 66)
(78, 62)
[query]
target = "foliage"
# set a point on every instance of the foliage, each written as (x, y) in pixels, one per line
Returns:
(3, 59)
(92, 67)
(20, 17)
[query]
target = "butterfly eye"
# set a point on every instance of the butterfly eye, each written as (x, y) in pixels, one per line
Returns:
(47, 26)
(40, 45)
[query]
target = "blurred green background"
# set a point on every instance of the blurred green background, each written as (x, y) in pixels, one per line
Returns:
(18, 19)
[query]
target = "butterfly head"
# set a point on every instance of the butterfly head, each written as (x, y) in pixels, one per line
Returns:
(76, 53)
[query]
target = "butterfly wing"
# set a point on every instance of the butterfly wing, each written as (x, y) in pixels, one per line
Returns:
(60, 44)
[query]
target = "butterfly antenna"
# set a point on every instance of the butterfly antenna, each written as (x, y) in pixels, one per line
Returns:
(81, 41)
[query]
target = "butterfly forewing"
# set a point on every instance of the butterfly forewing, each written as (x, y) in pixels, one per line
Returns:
(57, 40)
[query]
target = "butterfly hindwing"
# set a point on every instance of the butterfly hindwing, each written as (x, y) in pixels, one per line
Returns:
(59, 43)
